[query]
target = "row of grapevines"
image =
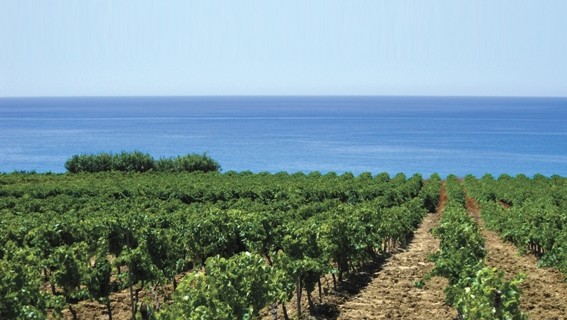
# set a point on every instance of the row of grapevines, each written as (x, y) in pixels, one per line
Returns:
(475, 290)
(529, 212)
(88, 235)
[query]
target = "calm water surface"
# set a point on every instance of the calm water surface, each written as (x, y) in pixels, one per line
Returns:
(357, 134)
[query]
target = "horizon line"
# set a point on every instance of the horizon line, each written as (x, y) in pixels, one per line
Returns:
(284, 96)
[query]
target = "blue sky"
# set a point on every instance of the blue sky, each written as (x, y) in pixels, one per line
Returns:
(391, 47)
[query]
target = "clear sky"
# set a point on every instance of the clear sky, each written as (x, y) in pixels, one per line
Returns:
(263, 47)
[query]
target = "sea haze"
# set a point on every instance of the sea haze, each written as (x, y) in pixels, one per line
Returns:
(458, 135)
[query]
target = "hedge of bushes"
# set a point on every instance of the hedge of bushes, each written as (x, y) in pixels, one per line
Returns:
(140, 162)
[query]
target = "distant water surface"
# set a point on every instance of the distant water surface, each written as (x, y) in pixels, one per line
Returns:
(376, 134)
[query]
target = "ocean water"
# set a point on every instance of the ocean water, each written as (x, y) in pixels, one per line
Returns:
(447, 135)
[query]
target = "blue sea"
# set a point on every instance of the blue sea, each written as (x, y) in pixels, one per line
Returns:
(446, 135)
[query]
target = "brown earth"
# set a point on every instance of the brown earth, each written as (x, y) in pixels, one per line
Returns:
(544, 293)
(120, 304)
(393, 295)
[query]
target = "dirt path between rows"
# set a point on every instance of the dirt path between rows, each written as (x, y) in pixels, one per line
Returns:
(392, 293)
(544, 293)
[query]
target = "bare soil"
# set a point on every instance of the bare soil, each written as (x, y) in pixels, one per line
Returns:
(544, 293)
(120, 305)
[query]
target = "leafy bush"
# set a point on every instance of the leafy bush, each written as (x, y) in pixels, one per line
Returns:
(89, 163)
(132, 162)
(489, 296)
(20, 295)
(189, 163)
(140, 162)
(234, 288)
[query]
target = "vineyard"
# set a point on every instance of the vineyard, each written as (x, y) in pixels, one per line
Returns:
(170, 244)
(530, 213)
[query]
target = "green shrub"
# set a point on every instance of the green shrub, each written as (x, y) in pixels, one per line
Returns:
(132, 162)
(234, 288)
(197, 162)
(140, 162)
(188, 163)
(89, 163)
(489, 296)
